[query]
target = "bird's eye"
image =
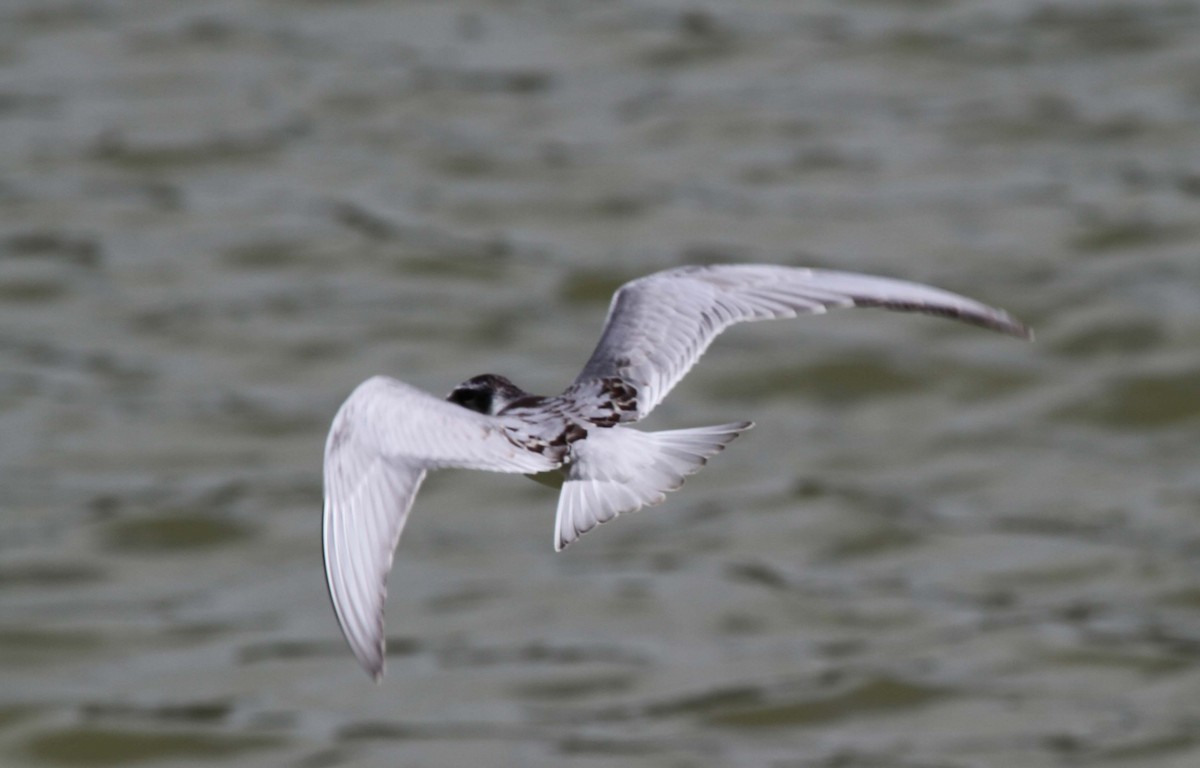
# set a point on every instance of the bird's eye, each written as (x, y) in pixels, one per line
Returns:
(472, 399)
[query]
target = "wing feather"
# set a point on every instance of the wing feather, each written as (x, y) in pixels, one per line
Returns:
(658, 326)
(384, 439)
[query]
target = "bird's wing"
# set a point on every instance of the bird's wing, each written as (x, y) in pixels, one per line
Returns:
(658, 326)
(382, 441)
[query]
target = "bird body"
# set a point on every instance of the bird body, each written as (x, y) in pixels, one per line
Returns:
(387, 434)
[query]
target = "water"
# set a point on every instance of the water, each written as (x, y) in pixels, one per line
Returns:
(940, 547)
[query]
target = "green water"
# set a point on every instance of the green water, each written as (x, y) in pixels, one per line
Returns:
(940, 548)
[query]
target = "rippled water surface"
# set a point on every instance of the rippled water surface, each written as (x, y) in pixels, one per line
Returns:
(940, 548)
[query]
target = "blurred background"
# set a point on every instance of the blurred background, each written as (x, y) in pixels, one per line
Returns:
(941, 547)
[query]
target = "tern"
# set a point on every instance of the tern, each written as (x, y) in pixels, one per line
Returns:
(388, 435)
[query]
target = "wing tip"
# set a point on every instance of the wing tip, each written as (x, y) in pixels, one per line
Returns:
(1005, 323)
(999, 321)
(374, 664)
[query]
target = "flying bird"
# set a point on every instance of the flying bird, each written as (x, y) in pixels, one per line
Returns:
(387, 434)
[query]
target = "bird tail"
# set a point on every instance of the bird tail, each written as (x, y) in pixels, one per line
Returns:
(620, 469)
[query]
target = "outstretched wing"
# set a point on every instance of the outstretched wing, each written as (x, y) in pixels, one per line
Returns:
(383, 440)
(658, 326)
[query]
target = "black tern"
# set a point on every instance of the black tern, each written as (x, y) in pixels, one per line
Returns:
(387, 434)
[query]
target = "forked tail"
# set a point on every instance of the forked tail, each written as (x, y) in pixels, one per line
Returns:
(621, 469)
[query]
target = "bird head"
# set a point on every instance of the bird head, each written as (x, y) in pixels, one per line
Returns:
(488, 393)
